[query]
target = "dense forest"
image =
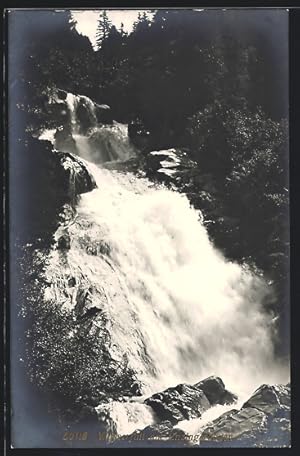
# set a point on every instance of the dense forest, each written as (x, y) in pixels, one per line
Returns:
(211, 84)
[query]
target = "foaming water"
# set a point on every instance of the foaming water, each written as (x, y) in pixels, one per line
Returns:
(126, 417)
(102, 142)
(196, 426)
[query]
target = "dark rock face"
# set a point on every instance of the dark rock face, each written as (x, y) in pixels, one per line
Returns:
(215, 391)
(169, 165)
(78, 177)
(46, 180)
(264, 420)
(233, 424)
(185, 402)
(269, 399)
(62, 94)
(182, 402)
(64, 242)
(55, 112)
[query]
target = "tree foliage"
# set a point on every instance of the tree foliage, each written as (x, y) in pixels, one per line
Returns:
(103, 28)
(67, 358)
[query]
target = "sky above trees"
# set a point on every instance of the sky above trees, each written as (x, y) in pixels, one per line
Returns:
(87, 20)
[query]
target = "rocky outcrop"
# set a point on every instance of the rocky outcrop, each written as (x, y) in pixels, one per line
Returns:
(264, 420)
(174, 167)
(215, 391)
(269, 399)
(168, 165)
(46, 179)
(77, 175)
(182, 402)
(185, 402)
(55, 113)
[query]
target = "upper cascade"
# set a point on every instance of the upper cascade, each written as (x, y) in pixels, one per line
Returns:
(87, 129)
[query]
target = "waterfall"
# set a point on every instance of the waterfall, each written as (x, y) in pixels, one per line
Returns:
(176, 307)
(100, 143)
(186, 312)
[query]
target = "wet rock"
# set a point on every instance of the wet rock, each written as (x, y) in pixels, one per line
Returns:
(264, 420)
(270, 398)
(62, 94)
(64, 242)
(215, 391)
(77, 176)
(234, 424)
(171, 165)
(182, 402)
(185, 402)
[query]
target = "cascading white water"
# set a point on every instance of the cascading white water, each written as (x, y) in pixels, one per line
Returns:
(189, 313)
(177, 308)
(102, 143)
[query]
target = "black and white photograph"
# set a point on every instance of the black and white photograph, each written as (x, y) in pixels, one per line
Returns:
(149, 234)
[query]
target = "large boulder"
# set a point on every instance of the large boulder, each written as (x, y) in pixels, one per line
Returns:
(233, 425)
(270, 398)
(215, 391)
(185, 402)
(182, 402)
(78, 178)
(263, 421)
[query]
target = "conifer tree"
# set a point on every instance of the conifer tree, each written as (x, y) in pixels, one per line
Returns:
(103, 28)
